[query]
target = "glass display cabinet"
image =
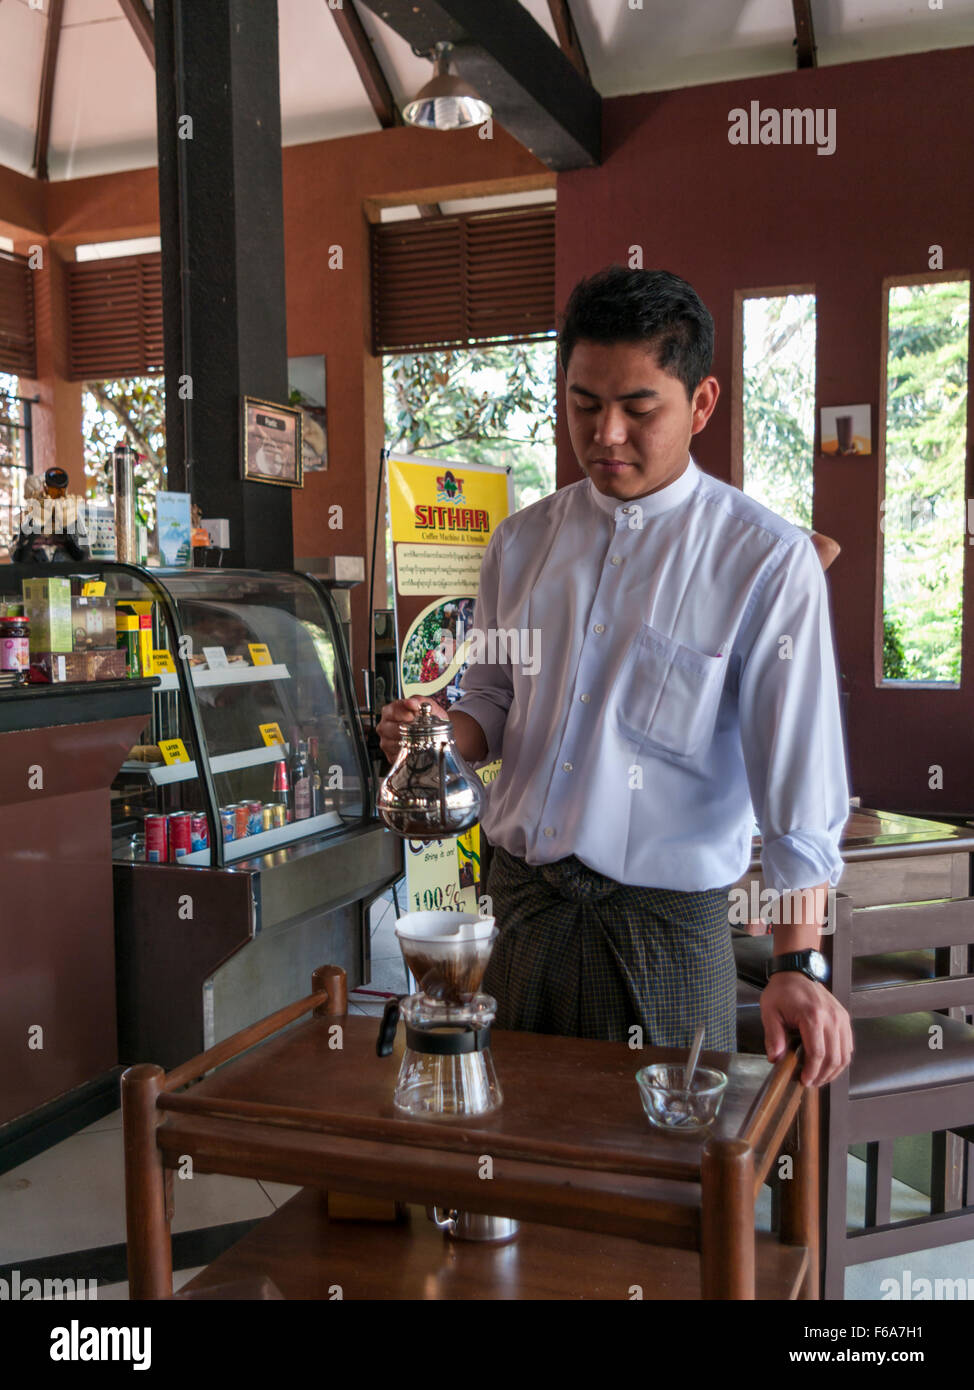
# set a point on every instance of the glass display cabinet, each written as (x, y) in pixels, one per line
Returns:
(245, 847)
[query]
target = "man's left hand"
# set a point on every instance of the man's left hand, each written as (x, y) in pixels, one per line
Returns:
(791, 1000)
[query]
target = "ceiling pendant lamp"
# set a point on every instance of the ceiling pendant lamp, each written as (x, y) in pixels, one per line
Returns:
(446, 102)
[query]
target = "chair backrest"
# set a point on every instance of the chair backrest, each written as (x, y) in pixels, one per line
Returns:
(941, 924)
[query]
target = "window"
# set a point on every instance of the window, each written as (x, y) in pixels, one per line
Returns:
(490, 404)
(923, 520)
(134, 409)
(15, 460)
(777, 422)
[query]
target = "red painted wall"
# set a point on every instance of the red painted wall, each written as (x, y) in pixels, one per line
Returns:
(729, 218)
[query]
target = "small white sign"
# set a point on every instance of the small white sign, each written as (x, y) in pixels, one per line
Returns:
(215, 657)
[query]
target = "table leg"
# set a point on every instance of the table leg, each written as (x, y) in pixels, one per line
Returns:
(727, 1220)
(800, 1194)
(146, 1215)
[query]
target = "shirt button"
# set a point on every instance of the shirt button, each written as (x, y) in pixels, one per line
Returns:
(626, 511)
(549, 830)
(585, 699)
(566, 767)
(599, 627)
(615, 560)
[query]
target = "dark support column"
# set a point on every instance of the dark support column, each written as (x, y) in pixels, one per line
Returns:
(222, 221)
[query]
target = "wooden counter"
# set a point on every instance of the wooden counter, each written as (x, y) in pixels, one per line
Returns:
(60, 748)
(891, 858)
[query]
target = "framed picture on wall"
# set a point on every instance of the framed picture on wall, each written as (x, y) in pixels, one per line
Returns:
(846, 429)
(271, 443)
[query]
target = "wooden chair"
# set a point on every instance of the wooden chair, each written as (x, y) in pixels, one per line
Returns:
(899, 1084)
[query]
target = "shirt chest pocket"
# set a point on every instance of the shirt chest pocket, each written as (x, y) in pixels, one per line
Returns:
(667, 695)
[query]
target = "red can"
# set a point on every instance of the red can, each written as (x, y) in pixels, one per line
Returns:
(200, 831)
(180, 835)
(157, 839)
(242, 824)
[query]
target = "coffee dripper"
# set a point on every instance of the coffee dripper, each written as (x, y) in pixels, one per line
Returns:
(447, 1067)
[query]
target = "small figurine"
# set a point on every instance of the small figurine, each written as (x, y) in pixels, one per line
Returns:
(51, 522)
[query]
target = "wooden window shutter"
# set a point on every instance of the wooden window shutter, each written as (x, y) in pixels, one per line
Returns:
(452, 281)
(115, 318)
(17, 345)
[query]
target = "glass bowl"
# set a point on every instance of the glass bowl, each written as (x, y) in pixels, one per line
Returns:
(662, 1089)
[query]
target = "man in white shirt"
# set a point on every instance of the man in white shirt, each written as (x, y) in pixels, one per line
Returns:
(686, 675)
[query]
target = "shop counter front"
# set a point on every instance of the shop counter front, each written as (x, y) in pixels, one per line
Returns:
(61, 746)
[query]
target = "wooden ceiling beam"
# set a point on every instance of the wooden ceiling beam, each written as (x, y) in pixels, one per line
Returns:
(142, 26)
(368, 66)
(45, 100)
(561, 18)
(535, 91)
(805, 50)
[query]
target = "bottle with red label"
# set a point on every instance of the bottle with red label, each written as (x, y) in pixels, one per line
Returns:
(300, 774)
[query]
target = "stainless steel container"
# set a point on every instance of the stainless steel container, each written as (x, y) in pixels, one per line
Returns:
(431, 793)
(126, 538)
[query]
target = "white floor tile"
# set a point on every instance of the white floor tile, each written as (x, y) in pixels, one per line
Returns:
(112, 1121)
(279, 1192)
(73, 1198)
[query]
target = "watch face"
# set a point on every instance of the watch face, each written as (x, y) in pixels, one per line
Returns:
(818, 965)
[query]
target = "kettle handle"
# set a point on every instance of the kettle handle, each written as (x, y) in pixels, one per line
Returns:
(442, 761)
(446, 1222)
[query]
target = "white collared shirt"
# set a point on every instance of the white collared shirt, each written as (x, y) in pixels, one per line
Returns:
(686, 674)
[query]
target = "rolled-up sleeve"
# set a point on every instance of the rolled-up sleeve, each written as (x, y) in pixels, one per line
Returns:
(488, 689)
(791, 726)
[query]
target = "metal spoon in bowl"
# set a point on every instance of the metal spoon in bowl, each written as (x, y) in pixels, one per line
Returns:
(685, 1111)
(693, 1059)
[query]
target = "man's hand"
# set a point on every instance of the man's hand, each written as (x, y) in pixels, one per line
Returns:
(401, 712)
(792, 1000)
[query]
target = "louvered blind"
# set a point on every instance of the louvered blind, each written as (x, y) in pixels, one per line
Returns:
(17, 351)
(440, 282)
(115, 318)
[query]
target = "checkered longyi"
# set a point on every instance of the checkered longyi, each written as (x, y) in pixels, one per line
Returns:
(583, 956)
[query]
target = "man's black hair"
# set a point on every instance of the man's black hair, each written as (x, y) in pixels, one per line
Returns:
(618, 305)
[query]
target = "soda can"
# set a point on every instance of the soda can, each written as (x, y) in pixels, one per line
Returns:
(157, 839)
(200, 831)
(242, 812)
(267, 818)
(180, 835)
(254, 820)
(228, 823)
(280, 813)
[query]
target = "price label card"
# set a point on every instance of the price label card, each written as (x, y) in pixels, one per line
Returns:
(93, 588)
(173, 750)
(271, 734)
(163, 664)
(259, 654)
(216, 657)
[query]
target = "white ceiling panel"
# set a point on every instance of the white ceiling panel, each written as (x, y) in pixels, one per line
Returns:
(322, 96)
(663, 46)
(22, 33)
(104, 112)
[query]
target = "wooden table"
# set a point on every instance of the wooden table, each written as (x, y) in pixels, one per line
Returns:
(569, 1150)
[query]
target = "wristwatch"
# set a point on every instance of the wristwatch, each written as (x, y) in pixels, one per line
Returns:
(810, 963)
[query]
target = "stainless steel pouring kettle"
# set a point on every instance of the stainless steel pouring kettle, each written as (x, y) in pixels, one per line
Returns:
(431, 792)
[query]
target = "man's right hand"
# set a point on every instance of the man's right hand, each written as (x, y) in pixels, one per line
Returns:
(401, 712)
(470, 740)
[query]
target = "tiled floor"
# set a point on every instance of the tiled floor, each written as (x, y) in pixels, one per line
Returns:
(71, 1197)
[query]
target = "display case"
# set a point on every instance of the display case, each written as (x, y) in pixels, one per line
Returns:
(254, 708)
(220, 911)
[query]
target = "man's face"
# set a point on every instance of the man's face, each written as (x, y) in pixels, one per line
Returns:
(630, 422)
